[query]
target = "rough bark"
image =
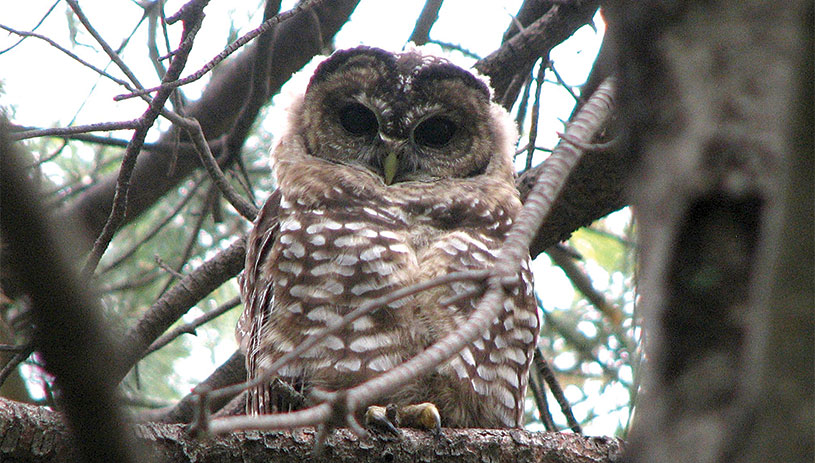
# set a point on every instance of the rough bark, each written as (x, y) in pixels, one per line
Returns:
(35, 434)
(709, 89)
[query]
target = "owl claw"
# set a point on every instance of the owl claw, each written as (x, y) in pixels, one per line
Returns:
(421, 416)
(382, 419)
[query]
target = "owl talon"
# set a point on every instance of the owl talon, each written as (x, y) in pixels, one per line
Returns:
(382, 419)
(422, 416)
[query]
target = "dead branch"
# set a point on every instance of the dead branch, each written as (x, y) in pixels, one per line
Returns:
(192, 22)
(537, 40)
(176, 302)
(297, 40)
(190, 327)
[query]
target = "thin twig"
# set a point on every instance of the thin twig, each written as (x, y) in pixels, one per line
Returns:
(539, 395)
(59, 131)
(190, 327)
(166, 267)
(234, 46)
(563, 83)
(546, 373)
(36, 26)
(533, 129)
(176, 302)
(73, 56)
(117, 212)
(244, 207)
(257, 96)
(157, 228)
(160, 147)
(192, 239)
(107, 48)
(520, 116)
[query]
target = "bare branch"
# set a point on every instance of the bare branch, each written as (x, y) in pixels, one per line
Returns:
(537, 40)
(233, 47)
(190, 327)
(244, 207)
(545, 371)
(533, 126)
(428, 17)
(192, 23)
(296, 42)
(36, 26)
(69, 53)
(155, 230)
(76, 129)
(177, 301)
(107, 48)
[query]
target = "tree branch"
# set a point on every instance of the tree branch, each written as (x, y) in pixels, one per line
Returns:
(22, 429)
(428, 17)
(536, 40)
(296, 42)
(176, 302)
(192, 22)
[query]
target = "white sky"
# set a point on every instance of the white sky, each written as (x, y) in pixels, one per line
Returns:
(45, 88)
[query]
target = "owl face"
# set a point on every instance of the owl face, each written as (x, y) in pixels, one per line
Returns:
(403, 117)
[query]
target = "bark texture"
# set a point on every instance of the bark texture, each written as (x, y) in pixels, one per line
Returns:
(35, 434)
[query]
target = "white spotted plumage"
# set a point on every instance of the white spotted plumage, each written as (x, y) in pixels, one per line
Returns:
(335, 235)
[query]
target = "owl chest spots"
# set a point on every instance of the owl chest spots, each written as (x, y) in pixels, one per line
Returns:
(326, 263)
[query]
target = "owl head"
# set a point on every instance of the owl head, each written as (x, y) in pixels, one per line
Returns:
(404, 117)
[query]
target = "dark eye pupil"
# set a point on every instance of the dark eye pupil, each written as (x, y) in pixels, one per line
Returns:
(435, 132)
(358, 120)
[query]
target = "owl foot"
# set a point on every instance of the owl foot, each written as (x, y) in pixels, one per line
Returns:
(421, 416)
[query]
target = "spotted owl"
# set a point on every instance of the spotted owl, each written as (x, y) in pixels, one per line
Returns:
(394, 169)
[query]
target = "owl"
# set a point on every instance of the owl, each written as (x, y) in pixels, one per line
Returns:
(394, 169)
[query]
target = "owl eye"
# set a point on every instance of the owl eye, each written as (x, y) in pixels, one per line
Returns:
(434, 132)
(358, 119)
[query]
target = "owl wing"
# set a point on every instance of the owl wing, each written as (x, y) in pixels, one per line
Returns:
(489, 376)
(256, 291)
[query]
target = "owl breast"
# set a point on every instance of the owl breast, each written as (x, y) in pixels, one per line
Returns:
(339, 246)
(326, 261)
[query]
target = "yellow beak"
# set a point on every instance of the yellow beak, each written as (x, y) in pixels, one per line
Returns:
(390, 166)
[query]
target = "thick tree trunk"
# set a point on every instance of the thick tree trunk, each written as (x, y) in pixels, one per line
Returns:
(31, 433)
(711, 99)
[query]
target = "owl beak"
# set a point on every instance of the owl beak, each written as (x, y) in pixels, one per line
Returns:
(390, 166)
